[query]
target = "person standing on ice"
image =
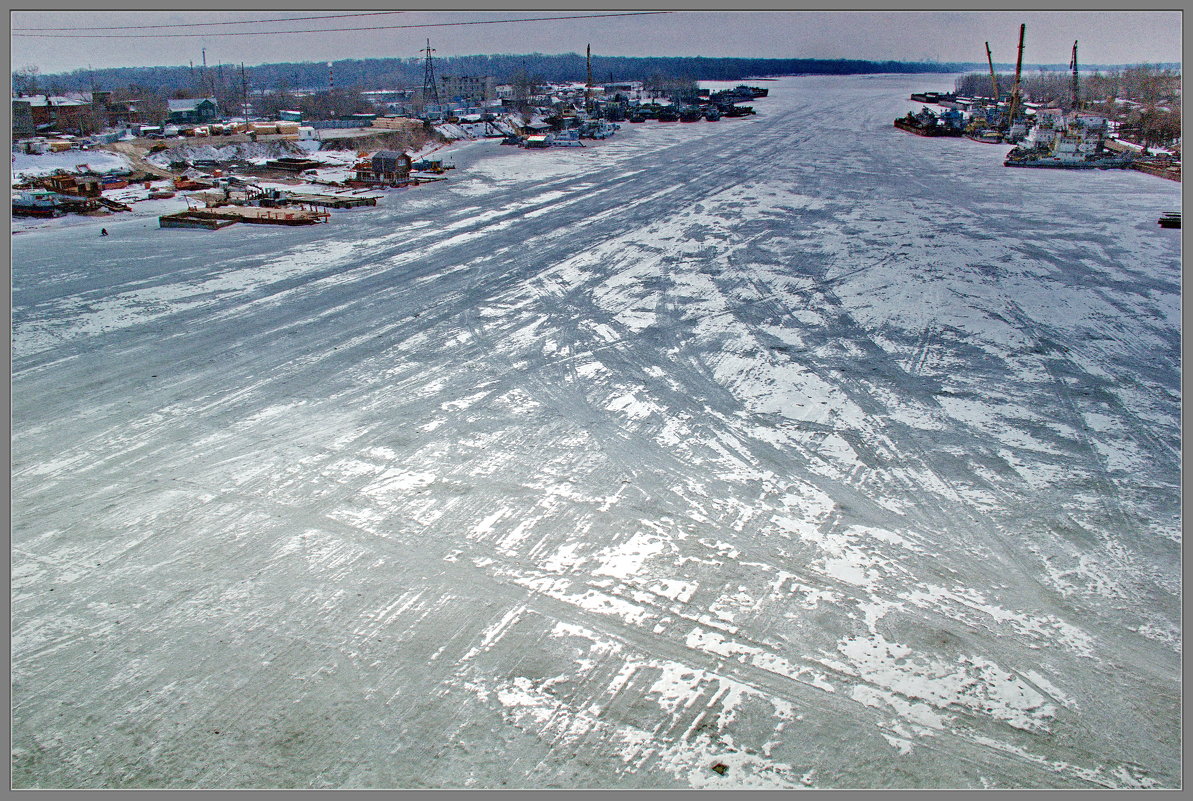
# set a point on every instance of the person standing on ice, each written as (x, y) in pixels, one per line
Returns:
(103, 231)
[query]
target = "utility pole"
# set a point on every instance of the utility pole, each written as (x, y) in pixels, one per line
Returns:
(205, 81)
(244, 89)
(430, 87)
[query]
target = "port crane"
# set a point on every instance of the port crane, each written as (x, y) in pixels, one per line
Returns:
(1076, 94)
(993, 77)
(1016, 97)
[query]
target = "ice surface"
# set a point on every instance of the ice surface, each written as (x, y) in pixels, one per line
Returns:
(792, 446)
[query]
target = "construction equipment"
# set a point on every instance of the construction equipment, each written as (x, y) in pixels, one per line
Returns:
(588, 86)
(1073, 66)
(993, 77)
(1016, 98)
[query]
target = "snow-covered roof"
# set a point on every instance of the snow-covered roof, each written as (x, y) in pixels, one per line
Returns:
(188, 104)
(57, 100)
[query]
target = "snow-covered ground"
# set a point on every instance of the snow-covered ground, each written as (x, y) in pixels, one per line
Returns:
(793, 445)
(30, 165)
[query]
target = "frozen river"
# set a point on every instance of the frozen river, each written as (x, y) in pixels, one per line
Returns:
(783, 451)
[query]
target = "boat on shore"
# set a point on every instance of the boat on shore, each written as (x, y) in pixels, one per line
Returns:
(1065, 154)
(988, 136)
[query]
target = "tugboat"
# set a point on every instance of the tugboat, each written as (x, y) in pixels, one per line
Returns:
(690, 114)
(668, 114)
(712, 114)
(1170, 219)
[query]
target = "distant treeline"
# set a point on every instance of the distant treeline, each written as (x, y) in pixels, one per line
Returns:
(387, 73)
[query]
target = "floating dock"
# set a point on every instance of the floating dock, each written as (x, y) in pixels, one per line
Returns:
(186, 219)
(255, 214)
(330, 201)
(222, 216)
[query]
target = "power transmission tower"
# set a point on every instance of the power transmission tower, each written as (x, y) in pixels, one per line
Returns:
(430, 86)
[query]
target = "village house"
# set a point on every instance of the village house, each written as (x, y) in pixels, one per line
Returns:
(386, 168)
(192, 110)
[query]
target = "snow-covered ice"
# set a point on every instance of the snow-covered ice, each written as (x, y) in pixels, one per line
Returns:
(792, 445)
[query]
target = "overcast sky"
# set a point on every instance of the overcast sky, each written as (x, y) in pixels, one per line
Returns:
(1106, 37)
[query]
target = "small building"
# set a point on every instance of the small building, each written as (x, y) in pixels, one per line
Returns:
(192, 110)
(385, 168)
(391, 166)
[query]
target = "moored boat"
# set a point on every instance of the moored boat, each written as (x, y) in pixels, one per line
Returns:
(988, 136)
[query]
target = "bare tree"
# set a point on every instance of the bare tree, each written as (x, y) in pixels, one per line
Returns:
(24, 80)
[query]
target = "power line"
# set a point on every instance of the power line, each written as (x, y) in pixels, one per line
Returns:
(201, 24)
(326, 30)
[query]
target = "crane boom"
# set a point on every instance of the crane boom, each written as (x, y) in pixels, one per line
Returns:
(1015, 96)
(588, 86)
(1076, 93)
(993, 77)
